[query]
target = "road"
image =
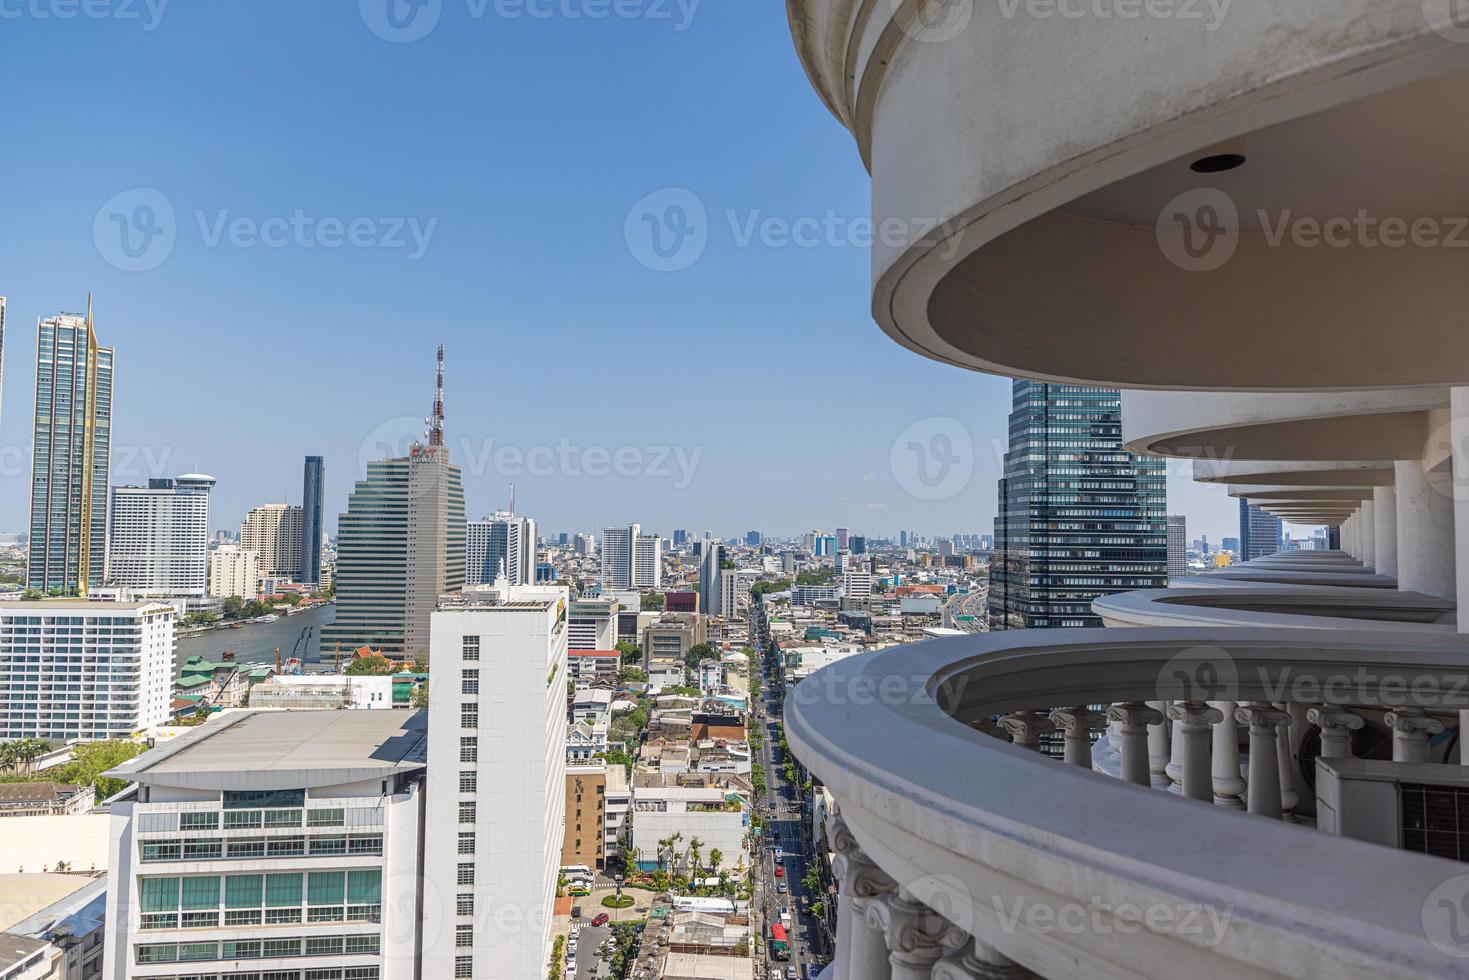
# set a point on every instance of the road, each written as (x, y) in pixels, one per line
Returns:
(587, 961)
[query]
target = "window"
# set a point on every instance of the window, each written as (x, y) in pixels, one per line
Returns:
(471, 648)
(326, 888)
(200, 893)
(469, 715)
(238, 819)
(283, 891)
(264, 798)
(159, 894)
(466, 813)
(466, 843)
(464, 966)
(464, 936)
(363, 944)
(248, 949)
(192, 820)
(468, 781)
(466, 874)
(326, 818)
(469, 682)
(323, 945)
(365, 886)
(248, 847)
(287, 846)
(469, 749)
(243, 891)
(272, 948)
(162, 851)
(283, 818)
(365, 844)
(203, 849)
(464, 905)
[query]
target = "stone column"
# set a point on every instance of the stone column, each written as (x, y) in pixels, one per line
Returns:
(1410, 730)
(1385, 516)
(1285, 758)
(1229, 787)
(916, 935)
(861, 952)
(1174, 769)
(975, 961)
(1337, 725)
(1133, 718)
(1264, 789)
(1426, 549)
(1026, 728)
(1160, 751)
(1193, 732)
(1369, 535)
(1078, 724)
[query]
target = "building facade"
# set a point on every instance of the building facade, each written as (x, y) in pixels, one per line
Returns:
(1177, 546)
(233, 571)
(1079, 515)
(502, 543)
(498, 780)
(73, 669)
(313, 480)
(584, 840)
(71, 457)
(592, 623)
(1259, 531)
(400, 545)
(273, 532)
(158, 536)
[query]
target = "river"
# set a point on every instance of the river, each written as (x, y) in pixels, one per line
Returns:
(256, 642)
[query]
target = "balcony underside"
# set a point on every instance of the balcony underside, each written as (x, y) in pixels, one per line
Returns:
(1410, 614)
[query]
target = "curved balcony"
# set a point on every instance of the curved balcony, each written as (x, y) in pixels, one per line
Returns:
(1072, 218)
(961, 855)
(1409, 613)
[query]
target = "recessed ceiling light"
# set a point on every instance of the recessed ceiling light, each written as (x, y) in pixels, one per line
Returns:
(1218, 164)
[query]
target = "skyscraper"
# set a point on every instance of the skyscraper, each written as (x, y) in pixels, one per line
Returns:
(311, 497)
(1080, 517)
(400, 546)
(2, 349)
(1259, 532)
(158, 536)
(631, 559)
(647, 561)
(71, 456)
(711, 560)
(273, 531)
(502, 543)
(1177, 546)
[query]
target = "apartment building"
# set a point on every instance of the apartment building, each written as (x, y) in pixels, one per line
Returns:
(715, 815)
(584, 841)
(233, 571)
(592, 623)
(74, 669)
(158, 536)
(280, 844)
(273, 532)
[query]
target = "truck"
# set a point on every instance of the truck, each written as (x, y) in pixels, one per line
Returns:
(780, 944)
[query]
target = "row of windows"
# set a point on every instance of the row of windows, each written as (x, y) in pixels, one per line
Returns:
(190, 893)
(213, 849)
(254, 949)
(327, 973)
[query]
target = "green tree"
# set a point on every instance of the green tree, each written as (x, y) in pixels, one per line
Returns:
(697, 652)
(652, 601)
(632, 675)
(375, 664)
(91, 759)
(419, 697)
(31, 595)
(631, 652)
(232, 606)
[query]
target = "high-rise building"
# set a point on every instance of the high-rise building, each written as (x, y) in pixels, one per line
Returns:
(585, 544)
(400, 546)
(711, 560)
(1259, 532)
(71, 456)
(311, 526)
(1080, 517)
(859, 544)
(591, 623)
(158, 536)
(273, 532)
(497, 771)
(1177, 546)
(680, 537)
(617, 556)
(80, 669)
(752, 539)
(233, 571)
(500, 544)
(842, 535)
(647, 562)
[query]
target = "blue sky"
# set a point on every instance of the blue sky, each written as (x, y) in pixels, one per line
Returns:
(343, 199)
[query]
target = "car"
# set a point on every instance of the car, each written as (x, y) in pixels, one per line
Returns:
(780, 886)
(791, 973)
(601, 919)
(576, 911)
(779, 871)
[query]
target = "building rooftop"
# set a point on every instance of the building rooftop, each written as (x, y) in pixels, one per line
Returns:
(29, 843)
(286, 749)
(29, 893)
(79, 605)
(15, 950)
(41, 792)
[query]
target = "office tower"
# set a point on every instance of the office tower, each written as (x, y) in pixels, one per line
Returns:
(158, 536)
(1177, 546)
(233, 571)
(585, 544)
(591, 623)
(400, 546)
(1259, 532)
(842, 534)
(946, 547)
(902, 539)
(1228, 544)
(502, 544)
(1080, 517)
(752, 539)
(497, 770)
(71, 456)
(2, 349)
(617, 556)
(647, 562)
(290, 840)
(824, 545)
(273, 531)
(710, 562)
(680, 538)
(859, 544)
(311, 527)
(563, 539)
(77, 669)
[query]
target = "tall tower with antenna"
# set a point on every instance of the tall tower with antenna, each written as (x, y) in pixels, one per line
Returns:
(436, 420)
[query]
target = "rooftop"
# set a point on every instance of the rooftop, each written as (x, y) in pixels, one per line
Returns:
(27, 894)
(32, 842)
(78, 605)
(15, 950)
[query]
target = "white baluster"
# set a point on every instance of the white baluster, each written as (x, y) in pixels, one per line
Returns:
(1264, 788)
(975, 961)
(1133, 718)
(1159, 749)
(1337, 725)
(1193, 735)
(1410, 730)
(1026, 728)
(917, 936)
(1078, 724)
(861, 952)
(1229, 786)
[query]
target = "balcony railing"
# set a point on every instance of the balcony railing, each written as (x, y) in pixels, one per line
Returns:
(963, 853)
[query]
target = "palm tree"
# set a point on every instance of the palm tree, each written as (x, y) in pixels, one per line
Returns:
(716, 858)
(695, 846)
(664, 844)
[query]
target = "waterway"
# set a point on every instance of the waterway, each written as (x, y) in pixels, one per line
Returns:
(256, 643)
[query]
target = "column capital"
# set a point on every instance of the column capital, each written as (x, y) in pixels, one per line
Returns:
(1330, 718)
(1078, 721)
(1412, 721)
(915, 934)
(1196, 715)
(1134, 716)
(1262, 717)
(978, 962)
(1026, 727)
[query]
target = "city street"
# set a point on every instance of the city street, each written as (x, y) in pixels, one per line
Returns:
(587, 960)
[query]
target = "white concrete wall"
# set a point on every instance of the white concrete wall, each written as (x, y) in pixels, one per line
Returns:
(1426, 549)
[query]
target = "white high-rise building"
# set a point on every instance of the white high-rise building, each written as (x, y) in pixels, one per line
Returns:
(1177, 546)
(158, 536)
(591, 623)
(585, 544)
(617, 556)
(647, 561)
(233, 571)
(856, 585)
(497, 780)
(710, 558)
(274, 533)
(501, 539)
(73, 669)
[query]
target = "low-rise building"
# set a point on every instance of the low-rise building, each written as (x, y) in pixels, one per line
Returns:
(717, 816)
(586, 666)
(314, 691)
(584, 840)
(44, 799)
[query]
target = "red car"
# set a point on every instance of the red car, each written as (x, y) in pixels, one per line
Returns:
(779, 871)
(601, 920)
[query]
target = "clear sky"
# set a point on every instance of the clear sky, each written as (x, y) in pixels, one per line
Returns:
(282, 207)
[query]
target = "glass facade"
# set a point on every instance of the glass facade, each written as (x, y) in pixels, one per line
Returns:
(1259, 532)
(311, 489)
(1079, 516)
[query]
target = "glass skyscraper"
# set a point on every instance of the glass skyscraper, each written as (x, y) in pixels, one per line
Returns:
(71, 457)
(1079, 516)
(1259, 532)
(311, 520)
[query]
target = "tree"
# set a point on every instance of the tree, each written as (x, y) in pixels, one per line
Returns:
(632, 675)
(652, 601)
(374, 664)
(716, 858)
(91, 759)
(631, 652)
(232, 606)
(31, 595)
(697, 652)
(695, 847)
(419, 697)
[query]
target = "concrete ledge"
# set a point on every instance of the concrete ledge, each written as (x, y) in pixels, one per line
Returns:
(1381, 610)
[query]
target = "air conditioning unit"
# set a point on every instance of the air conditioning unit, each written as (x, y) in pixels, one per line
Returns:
(1421, 807)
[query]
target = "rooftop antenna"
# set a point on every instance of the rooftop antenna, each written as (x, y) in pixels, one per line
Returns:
(436, 420)
(512, 498)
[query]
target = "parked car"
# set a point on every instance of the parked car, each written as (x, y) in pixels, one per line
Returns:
(601, 919)
(779, 871)
(780, 886)
(576, 911)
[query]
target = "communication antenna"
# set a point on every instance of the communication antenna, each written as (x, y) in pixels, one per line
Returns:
(436, 419)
